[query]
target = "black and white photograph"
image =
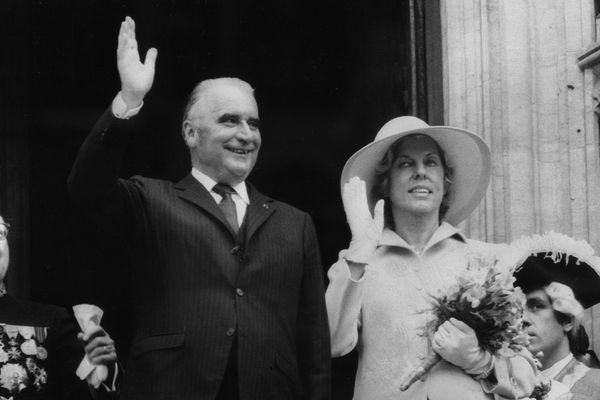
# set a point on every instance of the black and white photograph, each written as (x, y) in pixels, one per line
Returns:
(320, 200)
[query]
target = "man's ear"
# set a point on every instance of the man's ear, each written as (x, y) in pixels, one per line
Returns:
(190, 135)
(568, 327)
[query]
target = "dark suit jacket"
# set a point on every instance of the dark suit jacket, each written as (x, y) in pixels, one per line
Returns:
(198, 288)
(44, 353)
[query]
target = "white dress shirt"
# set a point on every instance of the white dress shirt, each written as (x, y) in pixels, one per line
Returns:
(552, 371)
(240, 197)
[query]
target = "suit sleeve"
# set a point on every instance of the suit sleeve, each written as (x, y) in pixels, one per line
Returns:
(313, 351)
(93, 183)
(344, 300)
(67, 353)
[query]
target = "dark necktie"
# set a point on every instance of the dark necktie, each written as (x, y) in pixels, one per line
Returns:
(227, 205)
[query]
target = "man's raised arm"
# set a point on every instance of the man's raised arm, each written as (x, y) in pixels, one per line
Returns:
(93, 182)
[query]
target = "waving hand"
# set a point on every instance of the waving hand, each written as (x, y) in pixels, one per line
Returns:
(366, 229)
(136, 77)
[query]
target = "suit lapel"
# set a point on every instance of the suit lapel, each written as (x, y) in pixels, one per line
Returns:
(191, 190)
(260, 209)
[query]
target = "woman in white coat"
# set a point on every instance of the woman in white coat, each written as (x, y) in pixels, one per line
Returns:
(403, 195)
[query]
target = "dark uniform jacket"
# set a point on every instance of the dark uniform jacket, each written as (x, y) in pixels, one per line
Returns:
(39, 353)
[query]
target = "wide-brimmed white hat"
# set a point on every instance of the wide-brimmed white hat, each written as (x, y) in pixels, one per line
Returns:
(466, 153)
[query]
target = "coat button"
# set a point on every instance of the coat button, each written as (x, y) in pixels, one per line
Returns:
(230, 331)
(239, 292)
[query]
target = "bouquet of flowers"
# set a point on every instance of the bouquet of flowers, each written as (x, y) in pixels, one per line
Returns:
(484, 298)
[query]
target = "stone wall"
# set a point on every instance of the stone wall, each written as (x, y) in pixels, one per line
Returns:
(511, 74)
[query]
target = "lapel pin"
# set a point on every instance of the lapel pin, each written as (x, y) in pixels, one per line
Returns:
(265, 206)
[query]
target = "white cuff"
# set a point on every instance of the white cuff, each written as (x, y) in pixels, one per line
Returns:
(119, 108)
(483, 368)
(113, 386)
(360, 252)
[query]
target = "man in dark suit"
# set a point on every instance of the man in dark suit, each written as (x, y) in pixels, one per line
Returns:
(229, 297)
(39, 348)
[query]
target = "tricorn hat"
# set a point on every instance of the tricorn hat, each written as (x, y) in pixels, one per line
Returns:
(554, 257)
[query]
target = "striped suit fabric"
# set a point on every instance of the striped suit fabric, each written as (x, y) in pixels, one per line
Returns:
(199, 286)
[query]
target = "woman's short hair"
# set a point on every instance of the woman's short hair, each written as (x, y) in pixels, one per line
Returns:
(382, 172)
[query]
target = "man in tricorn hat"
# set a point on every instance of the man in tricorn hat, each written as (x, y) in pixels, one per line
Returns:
(560, 277)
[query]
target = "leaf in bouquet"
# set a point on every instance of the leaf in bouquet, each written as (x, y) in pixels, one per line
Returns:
(419, 372)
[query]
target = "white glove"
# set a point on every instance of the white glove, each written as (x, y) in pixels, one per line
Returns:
(457, 343)
(366, 229)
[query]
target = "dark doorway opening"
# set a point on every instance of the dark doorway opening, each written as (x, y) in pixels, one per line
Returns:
(328, 74)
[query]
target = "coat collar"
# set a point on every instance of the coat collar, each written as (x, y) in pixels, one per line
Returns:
(444, 231)
(572, 372)
(209, 183)
(259, 209)
(191, 190)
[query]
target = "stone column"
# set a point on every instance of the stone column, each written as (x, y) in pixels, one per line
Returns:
(511, 74)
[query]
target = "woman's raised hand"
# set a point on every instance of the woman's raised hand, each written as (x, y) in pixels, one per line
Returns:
(366, 229)
(136, 77)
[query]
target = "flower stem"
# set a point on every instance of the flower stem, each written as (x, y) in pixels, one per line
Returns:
(420, 371)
